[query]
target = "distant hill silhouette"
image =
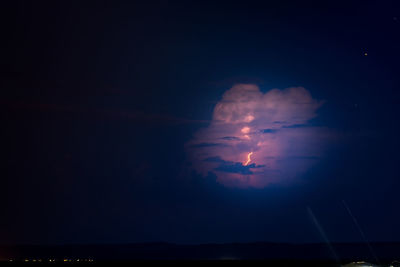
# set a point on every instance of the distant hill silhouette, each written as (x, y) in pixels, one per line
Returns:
(386, 252)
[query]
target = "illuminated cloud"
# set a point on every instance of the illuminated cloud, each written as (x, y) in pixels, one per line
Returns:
(256, 139)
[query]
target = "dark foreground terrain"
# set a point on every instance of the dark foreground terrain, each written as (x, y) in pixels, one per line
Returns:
(272, 254)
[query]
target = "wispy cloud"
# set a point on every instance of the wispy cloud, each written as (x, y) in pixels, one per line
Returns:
(99, 113)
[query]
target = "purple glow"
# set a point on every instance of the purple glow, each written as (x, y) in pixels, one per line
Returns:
(256, 139)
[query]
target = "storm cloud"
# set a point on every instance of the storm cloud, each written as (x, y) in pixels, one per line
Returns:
(258, 138)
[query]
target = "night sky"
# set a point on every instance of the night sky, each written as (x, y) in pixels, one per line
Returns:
(125, 123)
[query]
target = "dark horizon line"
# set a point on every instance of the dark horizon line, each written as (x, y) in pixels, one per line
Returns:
(198, 244)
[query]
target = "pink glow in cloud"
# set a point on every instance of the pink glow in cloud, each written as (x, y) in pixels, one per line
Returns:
(256, 139)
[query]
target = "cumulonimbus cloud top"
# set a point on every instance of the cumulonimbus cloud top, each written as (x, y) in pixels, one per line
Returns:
(256, 139)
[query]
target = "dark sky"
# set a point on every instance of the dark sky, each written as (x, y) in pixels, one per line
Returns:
(98, 101)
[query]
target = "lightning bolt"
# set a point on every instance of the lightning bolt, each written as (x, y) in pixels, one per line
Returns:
(248, 159)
